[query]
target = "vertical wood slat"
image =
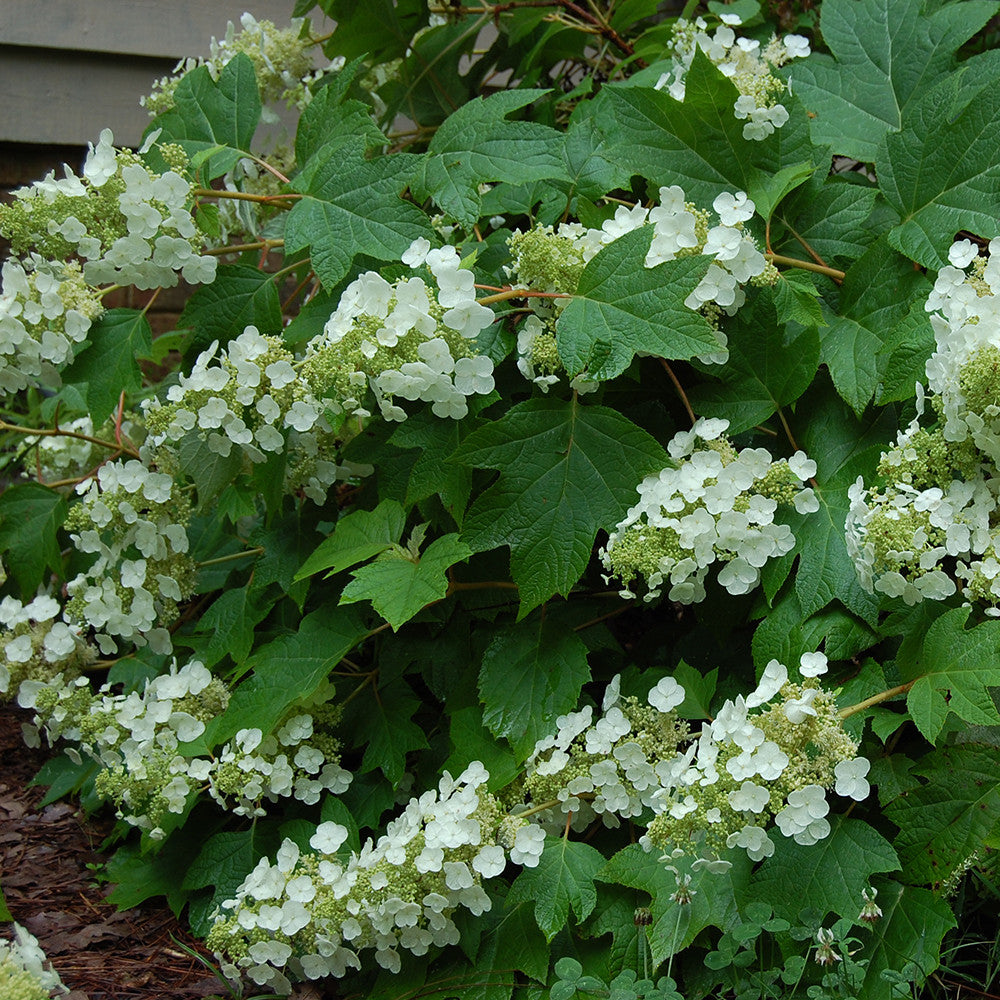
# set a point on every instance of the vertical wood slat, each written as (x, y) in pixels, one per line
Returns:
(155, 28)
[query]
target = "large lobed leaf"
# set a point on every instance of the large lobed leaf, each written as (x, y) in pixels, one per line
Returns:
(620, 308)
(566, 470)
(886, 54)
(956, 813)
(955, 670)
(531, 673)
(477, 144)
(352, 206)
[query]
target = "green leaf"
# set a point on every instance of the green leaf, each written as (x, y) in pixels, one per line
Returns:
(913, 923)
(940, 173)
(385, 727)
(138, 877)
(886, 54)
(829, 215)
(556, 488)
(329, 118)
(904, 357)
(699, 144)
(878, 291)
(621, 307)
(213, 121)
(63, 777)
(108, 367)
(30, 517)
(477, 144)
(563, 879)
(531, 673)
(357, 537)
(400, 585)
(955, 670)
(515, 942)
(827, 876)
(588, 155)
(351, 206)
(240, 296)
(284, 671)
(379, 29)
(5, 915)
(229, 623)
(796, 299)
(223, 862)
(843, 448)
(210, 472)
(431, 473)
(943, 822)
(674, 925)
(471, 740)
(765, 370)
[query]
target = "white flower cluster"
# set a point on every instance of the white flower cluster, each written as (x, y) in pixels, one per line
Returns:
(25, 972)
(770, 755)
(930, 527)
(747, 768)
(45, 308)
(282, 61)
(128, 224)
(406, 340)
(252, 395)
(552, 260)
(311, 914)
(296, 761)
(34, 645)
(137, 739)
(134, 520)
(615, 767)
(716, 505)
(748, 65)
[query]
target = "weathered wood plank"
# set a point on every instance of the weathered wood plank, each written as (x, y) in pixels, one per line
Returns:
(136, 27)
(68, 97)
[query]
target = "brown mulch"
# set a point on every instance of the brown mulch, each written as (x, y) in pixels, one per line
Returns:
(100, 954)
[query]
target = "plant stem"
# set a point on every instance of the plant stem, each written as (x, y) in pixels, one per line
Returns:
(830, 272)
(243, 195)
(242, 247)
(520, 293)
(680, 390)
(59, 432)
(876, 699)
(233, 555)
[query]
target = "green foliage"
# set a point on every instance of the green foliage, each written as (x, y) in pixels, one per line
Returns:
(563, 880)
(478, 144)
(830, 875)
(530, 672)
(954, 671)
(401, 582)
(885, 55)
(214, 121)
(109, 366)
(30, 516)
(351, 206)
(373, 579)
(617, 312)
(554, 490)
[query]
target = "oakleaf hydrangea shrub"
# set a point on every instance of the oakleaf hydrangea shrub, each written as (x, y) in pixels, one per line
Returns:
(546, 412)
(927, 530)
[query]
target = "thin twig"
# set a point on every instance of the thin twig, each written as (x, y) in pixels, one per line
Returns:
(680, 389)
